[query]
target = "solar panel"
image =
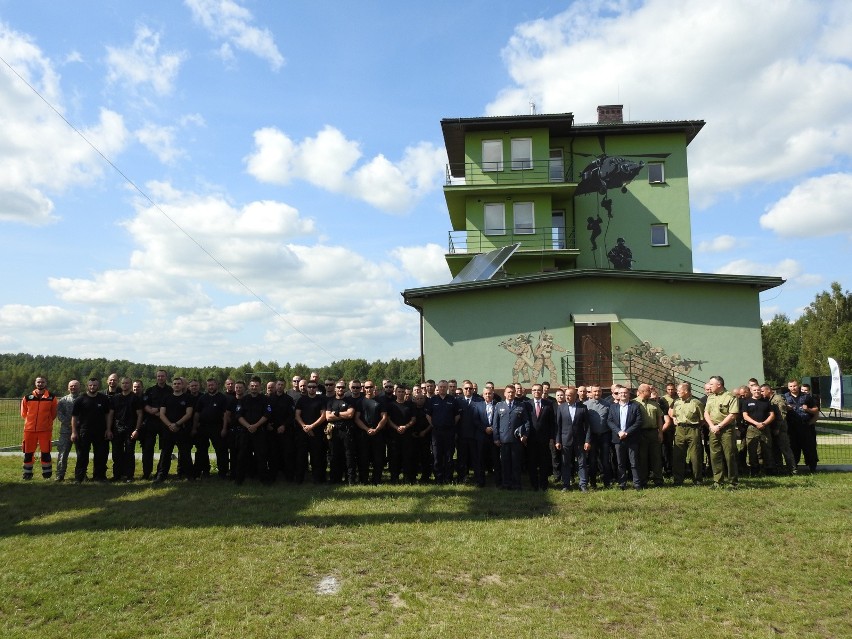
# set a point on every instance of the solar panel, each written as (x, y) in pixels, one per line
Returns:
(485, 265)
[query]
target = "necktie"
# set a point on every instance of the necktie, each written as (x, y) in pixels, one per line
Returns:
(490, 411)
(537, 407)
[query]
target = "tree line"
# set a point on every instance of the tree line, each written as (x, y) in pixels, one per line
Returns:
(802, 348)
(17, 371)
(790, 349)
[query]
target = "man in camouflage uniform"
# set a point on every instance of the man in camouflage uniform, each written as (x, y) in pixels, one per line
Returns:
(780, 437)
(687, 413)
(63, 414)
(721, 413)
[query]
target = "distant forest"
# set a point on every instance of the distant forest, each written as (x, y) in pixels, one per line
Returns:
(18, 371)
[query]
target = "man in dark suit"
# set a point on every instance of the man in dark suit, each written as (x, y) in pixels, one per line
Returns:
(625, 422)
(489, 454)
(572, 432)
(542, 428)
(511, 429)
(468, 446)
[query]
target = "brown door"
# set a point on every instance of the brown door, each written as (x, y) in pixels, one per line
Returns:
(593, 355)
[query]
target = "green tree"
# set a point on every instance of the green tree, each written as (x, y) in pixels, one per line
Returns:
(827, 332)
(782, 342)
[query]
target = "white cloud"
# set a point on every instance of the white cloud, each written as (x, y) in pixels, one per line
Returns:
(817, 207)
(142, 64)
(14, 317)
(786, 64)
(328, 161)
(229, 21)
(173, 297)
(42, 155)
(425, 264)
(789, 269)
(160, 140)
(719, 244)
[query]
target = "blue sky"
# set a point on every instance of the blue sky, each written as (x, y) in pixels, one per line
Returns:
(293, 156)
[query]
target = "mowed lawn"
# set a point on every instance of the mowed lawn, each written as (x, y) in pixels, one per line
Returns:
(209, 559)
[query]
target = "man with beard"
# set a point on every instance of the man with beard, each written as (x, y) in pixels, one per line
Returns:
(39, 411)
(89, 431)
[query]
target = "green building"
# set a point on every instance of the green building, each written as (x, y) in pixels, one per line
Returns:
(594, 283)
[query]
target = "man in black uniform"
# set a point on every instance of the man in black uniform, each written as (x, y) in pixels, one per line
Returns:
(340, 415)
(801, 409)
(176, 418)
(89, 431)
(421, 435)
(209, 420)
(309, 436)
(399, 438)
(283, 437)
(152, 399)
(125, 424)
(467, 445)
(370, 418)
(758, 413)
(443, 416)
(252, 412)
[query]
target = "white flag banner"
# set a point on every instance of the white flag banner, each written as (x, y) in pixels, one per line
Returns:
(835, 383)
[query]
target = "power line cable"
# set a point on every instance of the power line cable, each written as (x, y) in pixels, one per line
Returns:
(162, 212)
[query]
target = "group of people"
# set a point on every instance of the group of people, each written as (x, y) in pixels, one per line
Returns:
(440, 432)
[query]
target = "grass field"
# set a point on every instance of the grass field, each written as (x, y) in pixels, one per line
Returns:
(208, 559)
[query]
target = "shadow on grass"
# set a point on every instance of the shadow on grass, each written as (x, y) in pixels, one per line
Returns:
(42, 508)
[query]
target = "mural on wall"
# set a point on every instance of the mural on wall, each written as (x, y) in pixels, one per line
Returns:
(651, 363)
(621, 256)
(603, 173)
(532, 362)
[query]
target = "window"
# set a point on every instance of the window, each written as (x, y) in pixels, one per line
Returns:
(557, 229)
(495, 219)
(492, 155)
(522, 153)
(524, 218)
(656, 173)
(659, 235)
(557, 166)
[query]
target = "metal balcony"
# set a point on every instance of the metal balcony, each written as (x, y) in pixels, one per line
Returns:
(539, 239)
(509, 173)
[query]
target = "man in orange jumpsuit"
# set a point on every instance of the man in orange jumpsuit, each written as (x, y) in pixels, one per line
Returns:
(38, 410)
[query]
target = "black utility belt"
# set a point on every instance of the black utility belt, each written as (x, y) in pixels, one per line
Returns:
(690, 425)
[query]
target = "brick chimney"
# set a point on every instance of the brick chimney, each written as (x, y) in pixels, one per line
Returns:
(610, 114)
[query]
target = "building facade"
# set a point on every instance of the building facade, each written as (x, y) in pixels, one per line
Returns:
(600, 286)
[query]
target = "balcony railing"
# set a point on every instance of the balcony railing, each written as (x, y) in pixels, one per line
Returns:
(511, 172)
(540, 239)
